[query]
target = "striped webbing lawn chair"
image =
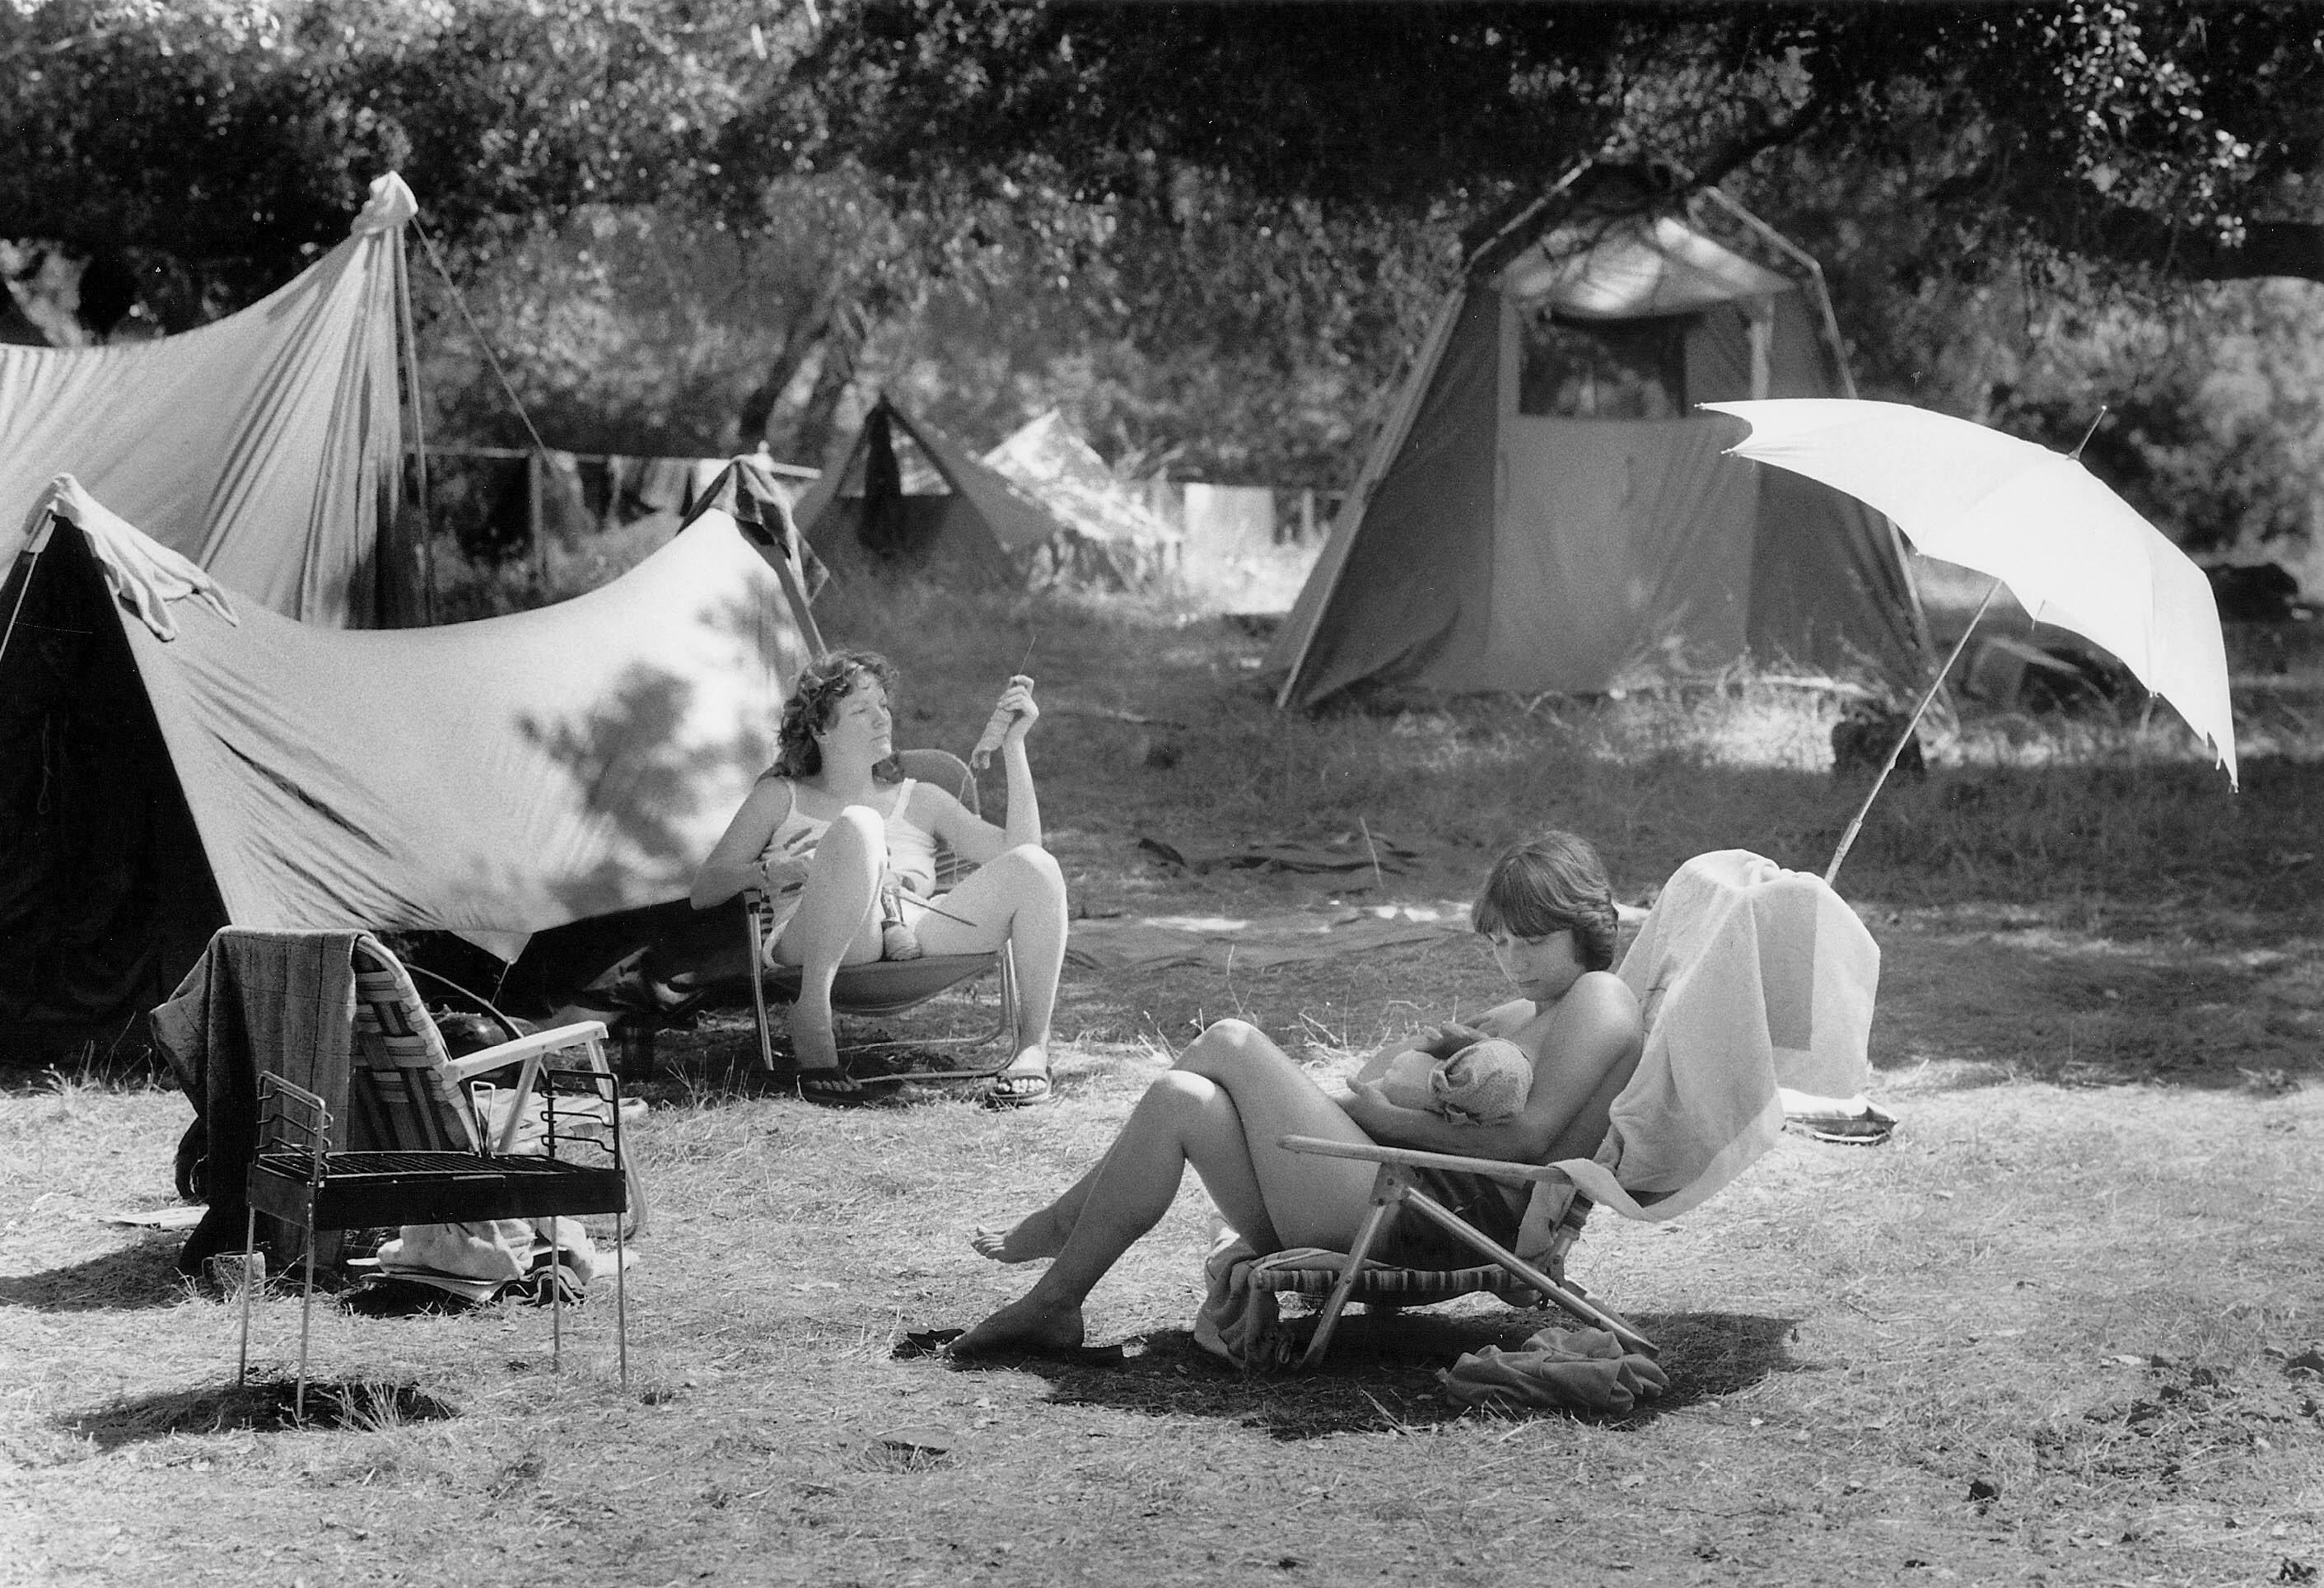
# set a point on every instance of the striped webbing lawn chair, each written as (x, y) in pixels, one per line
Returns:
(1750, 978)
(1553, 1222)
(406, 1091)
(891, 986)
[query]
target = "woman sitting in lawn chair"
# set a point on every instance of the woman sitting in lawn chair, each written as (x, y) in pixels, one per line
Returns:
(1549, 912)
(844, 847)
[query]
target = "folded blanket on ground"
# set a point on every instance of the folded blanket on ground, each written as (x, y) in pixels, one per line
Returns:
(1569, 1370)
(480, 1260)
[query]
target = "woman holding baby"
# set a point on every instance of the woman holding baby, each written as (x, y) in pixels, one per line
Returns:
(1548, 911)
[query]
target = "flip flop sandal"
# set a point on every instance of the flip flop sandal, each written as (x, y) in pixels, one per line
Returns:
(833, 1087)
(1018, 1091)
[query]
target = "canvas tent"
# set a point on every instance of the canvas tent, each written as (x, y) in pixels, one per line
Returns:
(1545, 510)
(1116, 535)
(909, 497)
(267, 446)
(174, 757)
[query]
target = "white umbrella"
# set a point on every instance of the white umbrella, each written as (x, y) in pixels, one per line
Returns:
(2071, 551)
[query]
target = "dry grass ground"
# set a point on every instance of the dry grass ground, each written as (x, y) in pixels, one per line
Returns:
(2062, 1329)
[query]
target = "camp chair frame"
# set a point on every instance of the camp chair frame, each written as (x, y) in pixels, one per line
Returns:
(417, 1098)
(1394, 1186)
(884, 987)
(296, 1177)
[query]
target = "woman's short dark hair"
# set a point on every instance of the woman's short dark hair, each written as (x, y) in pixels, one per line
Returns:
(814, 700)
(1553, 881)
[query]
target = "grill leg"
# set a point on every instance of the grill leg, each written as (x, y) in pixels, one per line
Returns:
(249, 1245)
(621, 1301)
(555, 1302)
(305, 1312)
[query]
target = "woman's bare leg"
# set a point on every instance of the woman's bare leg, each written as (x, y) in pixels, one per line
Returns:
(1299, 1198)
(837, 923)
(1191, 1115)
(1017, 898)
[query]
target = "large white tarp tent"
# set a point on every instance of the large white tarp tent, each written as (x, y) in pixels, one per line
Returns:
(1545, 510)
(266, 447)
(174, 757)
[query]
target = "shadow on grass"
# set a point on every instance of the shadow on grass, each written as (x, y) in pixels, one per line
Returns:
(135, 1277)
(2045, 997)
(266, 1405)
(1380, 1376)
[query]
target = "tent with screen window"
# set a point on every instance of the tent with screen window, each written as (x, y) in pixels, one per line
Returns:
(266, 447)
(1545, 510)
(174, 757)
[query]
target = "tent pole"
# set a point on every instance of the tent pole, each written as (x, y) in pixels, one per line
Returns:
(1898, 749)
(32, 557)
(419, 433)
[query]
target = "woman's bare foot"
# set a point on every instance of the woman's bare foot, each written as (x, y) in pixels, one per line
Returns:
(813, 1044)
(1035, 1236)
(1023, 1326)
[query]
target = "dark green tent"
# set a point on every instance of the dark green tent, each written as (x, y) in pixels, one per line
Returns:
(1545, 510)
(948, 513)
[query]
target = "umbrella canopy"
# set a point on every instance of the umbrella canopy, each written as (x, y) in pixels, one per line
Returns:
(2071, 551)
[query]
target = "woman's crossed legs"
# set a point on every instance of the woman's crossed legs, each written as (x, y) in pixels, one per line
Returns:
(1220, 1108)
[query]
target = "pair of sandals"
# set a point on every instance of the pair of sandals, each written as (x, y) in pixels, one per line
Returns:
(834, 1087)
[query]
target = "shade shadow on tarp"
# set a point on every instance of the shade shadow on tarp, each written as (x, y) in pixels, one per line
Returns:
(266, 447)
(492, 779)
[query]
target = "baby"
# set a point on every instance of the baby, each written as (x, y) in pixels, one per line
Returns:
(1482, 1084)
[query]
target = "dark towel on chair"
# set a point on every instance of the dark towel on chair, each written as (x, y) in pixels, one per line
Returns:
(283, 1002)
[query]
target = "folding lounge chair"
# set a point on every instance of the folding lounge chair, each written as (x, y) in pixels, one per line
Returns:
(890, 986)
(417, 1153)
(1752, 978)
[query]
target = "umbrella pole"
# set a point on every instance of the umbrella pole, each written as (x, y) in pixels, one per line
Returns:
(1905, 738)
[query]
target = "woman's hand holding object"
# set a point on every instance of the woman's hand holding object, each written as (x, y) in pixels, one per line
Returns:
(1012, 718)
(787, 872)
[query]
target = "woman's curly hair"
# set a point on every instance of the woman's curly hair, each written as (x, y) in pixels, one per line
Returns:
(814, 700)
(1553, 881)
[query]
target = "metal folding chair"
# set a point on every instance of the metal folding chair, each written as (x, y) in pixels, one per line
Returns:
(885, 987)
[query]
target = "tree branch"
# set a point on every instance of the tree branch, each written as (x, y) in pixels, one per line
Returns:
(1743, 147)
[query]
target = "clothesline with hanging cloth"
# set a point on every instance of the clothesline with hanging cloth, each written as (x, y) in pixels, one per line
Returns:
(649, 485)
(790, 471)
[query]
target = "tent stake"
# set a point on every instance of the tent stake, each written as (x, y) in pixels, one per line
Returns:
(1898, 749)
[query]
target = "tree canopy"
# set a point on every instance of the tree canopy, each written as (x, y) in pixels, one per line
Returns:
(1216, 227)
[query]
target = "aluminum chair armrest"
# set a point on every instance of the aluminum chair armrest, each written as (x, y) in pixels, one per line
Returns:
(538, 1045)
(528, 1051)
(1514, 1173)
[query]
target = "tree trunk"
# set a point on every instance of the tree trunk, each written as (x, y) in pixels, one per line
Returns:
(805, 334)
